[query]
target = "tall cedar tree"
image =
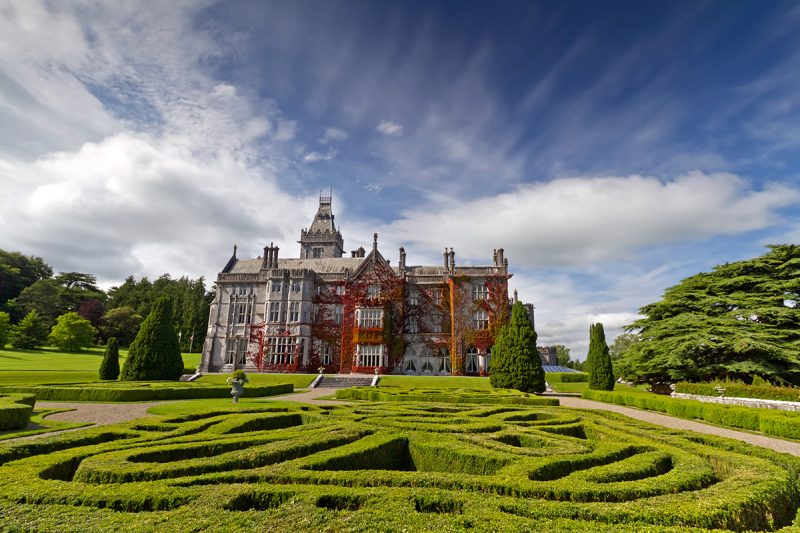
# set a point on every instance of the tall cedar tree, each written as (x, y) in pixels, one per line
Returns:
(154, 354)
(738, 321)
(515, 360)
(598, 362)
(109, 368)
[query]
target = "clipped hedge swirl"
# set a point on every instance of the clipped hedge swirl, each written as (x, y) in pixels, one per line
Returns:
(393, 466)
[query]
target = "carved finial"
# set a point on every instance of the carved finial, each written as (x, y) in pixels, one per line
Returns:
(516, 296)
(234, 251)
(374, 241)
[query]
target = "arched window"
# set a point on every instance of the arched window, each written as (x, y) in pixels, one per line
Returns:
(471, 363)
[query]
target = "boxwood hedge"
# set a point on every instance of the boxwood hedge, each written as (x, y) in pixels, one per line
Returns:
(468, 396)
(778, 423)
(566, 377)
(140, 391)
(390, 467)
(16, 410)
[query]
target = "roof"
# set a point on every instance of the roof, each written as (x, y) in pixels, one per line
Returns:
(556, 368)
(321, 265)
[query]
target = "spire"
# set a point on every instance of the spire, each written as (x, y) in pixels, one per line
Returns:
(322, 239)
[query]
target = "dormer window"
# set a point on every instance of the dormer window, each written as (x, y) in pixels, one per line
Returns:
(374, 291)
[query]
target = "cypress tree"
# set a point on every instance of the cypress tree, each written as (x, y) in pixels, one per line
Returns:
(109, 368)
(155, 353)
(515, 360)
(598, 362)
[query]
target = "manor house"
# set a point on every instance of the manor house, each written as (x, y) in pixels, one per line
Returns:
(356, 314)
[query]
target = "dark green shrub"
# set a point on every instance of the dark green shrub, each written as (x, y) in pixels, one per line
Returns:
(133, 392)
(515, 361)
(598, 362)
(109, 368)
(5, 327)
(735, 389)
(154, 354)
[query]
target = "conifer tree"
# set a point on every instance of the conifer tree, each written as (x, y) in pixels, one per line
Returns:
(30, 332)
(515, 361)
(154, 354)
(598, 362)
(109, 368)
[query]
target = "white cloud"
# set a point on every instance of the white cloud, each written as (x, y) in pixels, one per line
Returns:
(387, 127)
(333, 135)
(578, 221)
(313, 157)
(286, 130)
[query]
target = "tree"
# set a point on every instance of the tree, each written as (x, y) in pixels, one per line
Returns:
(72, 333)
(5, 325)
(154, 354)
(515, 359)
(18, 271)
(598, 361)
(562, 353)
(618, 350)
(29, 333)
(738, 321)
(122, 323)
(109, 368)
(41, 297)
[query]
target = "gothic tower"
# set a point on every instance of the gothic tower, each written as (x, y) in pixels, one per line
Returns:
(322, 239)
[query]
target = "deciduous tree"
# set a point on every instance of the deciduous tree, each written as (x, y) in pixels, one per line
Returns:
(5, 326)
(72, 333)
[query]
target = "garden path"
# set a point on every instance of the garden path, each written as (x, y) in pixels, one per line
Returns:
(779, 445)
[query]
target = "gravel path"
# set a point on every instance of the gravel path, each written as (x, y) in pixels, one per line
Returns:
(778, 445)
(98, 413)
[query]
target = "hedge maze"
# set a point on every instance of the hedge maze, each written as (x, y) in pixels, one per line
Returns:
(393, 466)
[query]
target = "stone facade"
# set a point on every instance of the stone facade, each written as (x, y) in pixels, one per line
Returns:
(354, 314)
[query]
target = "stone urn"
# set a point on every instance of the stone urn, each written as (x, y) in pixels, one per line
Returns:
(237, 389)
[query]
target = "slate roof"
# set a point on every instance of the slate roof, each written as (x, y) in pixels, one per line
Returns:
(320, 265)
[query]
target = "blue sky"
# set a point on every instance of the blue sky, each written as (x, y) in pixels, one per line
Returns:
(611, 148)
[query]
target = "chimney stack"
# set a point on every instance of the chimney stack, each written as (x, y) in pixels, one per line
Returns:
(452, 261)
(402, 262)
(446, 261)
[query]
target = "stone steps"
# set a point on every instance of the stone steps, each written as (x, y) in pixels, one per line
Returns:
(343, 382)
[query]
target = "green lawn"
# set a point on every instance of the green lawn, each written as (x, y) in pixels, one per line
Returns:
(436, 382)
(49, 365)
(569, 387)
(300, 381)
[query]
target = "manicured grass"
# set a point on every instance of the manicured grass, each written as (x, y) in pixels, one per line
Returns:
(40, 424)
(435, 382)
(48, 365)
(300, 381)
(391, 467)
(569, 387)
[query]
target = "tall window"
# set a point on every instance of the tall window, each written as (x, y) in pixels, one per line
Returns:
(317, 252)
(280, 350)
(274, 311)
(326, 357)
(295, 286)
(294, 312)
(370, 318)
(242, 312)
(340, 290)
(413, 324)
(413, 297)
(338, 313)
(369, 354)
(480, 319)
(235, 350)
(374, 291)
(472, 361)
(480, 291)
(276, 286)
(436, 323)
(436, 296)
